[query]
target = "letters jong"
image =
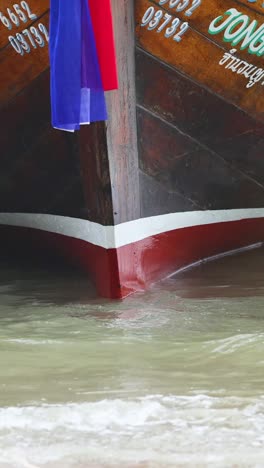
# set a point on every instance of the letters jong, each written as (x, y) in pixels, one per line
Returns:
(238, 29)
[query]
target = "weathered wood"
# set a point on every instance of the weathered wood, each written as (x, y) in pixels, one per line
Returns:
(109, 154)
(39, 166)
(207, 12)
(121, 127)
(198, 57)
(18, 71)
(156, 199)
(257, 6)
(37, 8)
(95, 173)
(40, 176)
(196, 173)
(202, 115)
(24, 118)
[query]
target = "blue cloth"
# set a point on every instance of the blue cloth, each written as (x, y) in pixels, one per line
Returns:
(77, 95)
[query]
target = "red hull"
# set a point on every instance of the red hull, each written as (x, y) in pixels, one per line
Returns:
(117, 273)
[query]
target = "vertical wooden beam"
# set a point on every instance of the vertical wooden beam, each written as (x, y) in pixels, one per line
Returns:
(121, 126)
(94, 166)
(109, 151)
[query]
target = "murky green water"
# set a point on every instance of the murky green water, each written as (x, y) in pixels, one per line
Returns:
(170, 378)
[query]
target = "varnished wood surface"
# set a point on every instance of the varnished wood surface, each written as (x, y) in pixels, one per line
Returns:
(17, 71)
(39, 166)
(106, 170)
(201, 114)
(200, 146)
(40, 169)
(183, 166)
(37, 7)
(256, 6)
(200, 130)
(208, 11)
(198, 55)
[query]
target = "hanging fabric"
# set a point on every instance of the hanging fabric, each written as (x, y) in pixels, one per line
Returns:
(77, 94)
(101, 15)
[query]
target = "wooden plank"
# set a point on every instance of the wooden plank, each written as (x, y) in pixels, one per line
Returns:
(18, 71)
(122, 126)
(157, 199)
(109, 153)
(202, 17)
(23, 119)
(204, 116)
(199, 58)
(95, 173)
(39, 177)
(17, 17)
(256, 6)
(193, 171)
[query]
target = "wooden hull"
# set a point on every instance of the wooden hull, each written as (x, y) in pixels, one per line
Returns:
(174, 177)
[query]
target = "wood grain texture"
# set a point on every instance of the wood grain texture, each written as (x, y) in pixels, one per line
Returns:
(257, 6)
(109, 153)
(94, 166)
(156, 199)
(37, 8)
(18, 71)
(208, 11)
(39, 165)
(121, 126)
(198, 57)
(198, 174)
(201, 114)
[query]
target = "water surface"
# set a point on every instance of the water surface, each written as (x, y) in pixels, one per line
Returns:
(171, 377)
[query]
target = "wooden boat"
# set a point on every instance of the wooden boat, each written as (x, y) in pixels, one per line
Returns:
(176, 175)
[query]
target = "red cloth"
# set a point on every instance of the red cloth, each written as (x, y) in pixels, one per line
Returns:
(101, 15)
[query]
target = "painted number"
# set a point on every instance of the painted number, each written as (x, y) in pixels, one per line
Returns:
(172, 29)
(20, 13)
(20, 38)
(157, 17)
(39, 40)
(44, 31)
(195, 4)
(5, 21)
(148, 15)
(33, 36)
(26, 7)
(13, 17)
(163, 21)
(183, 29)
(181, 5)
(13, 41)
(168, 18)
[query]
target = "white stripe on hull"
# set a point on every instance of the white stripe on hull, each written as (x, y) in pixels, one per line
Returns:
(126, 233)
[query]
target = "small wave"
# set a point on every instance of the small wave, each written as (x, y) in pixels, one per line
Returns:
(28, 341)
(155, 431)
(233, 343)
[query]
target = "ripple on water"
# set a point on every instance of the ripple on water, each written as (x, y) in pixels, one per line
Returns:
(169, 378)
(197, 431)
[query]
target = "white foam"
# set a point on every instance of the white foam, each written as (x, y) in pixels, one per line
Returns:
(157, 430)
(28, 341)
